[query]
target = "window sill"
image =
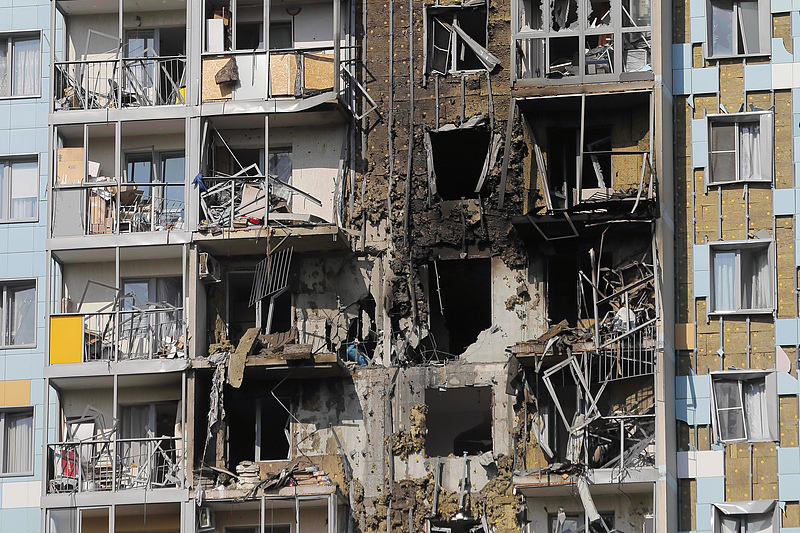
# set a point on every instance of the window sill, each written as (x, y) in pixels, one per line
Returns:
(20, 97)
(19, 220)
(740, 56)
(742, 312)
(18, 347)
(734, 182)
(28, 473)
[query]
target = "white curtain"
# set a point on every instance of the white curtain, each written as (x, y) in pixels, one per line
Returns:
(27, 69)
(761, 285)
(19, 445)
(728, 524)
(724, 281)
(749, 152)
(760, 523)
(755, 407)
(24, 189)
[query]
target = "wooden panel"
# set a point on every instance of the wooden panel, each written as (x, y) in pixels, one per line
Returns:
(211, 91)
(66, 338)
(318, 71)
(282, 74)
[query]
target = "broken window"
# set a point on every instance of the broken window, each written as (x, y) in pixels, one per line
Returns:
(461, 302)
(268, 528)
(249, 25)
(280, 168)
(738, 27)
(258, 425)
(563, 144)
(740, 148)
(280, 35)
(573, 43)
(759, 516)
(574, 522)
(745, 404)
(742, 276)
(457, 39)
(459, 420)
(460, 525)
(455, 173)
(569, 295)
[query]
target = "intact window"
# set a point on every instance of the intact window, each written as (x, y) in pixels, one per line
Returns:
(740, 148)
(745, 405)
(450, 31)
(17, 441)
(20, 64)
(742, 277)
(19, 314)
(19, 189)
(738, 27)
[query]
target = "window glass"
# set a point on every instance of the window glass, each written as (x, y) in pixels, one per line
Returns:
(724, 281)
(280, 167)
(21, 323)
(730, 411)
(748, 11)
(755, 407)
(24, 185)
(18, 455)
(27, 69)
(3, 67)
(721, 27)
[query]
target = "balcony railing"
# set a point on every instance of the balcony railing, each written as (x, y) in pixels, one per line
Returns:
(115, 465)
(156, 332)
(116, 83)
(293, 73)
(97, 209)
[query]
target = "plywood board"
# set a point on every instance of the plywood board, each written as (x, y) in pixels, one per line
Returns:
(282, 74)
(318, 71)
(211, 91)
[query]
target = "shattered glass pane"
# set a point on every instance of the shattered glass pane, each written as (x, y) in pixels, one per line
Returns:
(635, 13)
(636, 51)
(599, 14)
(600, 54)
(564, 59)
(564, 15)
(530, 15)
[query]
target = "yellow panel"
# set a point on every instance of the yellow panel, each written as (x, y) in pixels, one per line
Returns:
(18, 392)
(684, 336)
(66, 338)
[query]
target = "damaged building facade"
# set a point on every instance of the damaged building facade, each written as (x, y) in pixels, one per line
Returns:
(324, 265)
(736, 341)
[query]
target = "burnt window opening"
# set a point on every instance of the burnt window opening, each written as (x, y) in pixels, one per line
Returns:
(568, 297)
(459, 156)
(563, 154)
(242, 317)
(258, 427)
(574, 522)
(461, 302)
(459, 420)
(447, 50)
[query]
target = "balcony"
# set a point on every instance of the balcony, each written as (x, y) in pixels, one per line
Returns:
(120, 83)
(293, 73)
(110, 465)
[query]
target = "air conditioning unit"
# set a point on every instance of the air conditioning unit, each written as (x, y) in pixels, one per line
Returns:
(209, 268)
(205, 521)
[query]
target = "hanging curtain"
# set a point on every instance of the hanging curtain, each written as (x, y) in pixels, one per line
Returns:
(135, 424)
(3, 67)
(168, 290)
(760, 523)
(749, 152)
(755, 405)
(22, 319)
(27, 69)
(761, 286)
(24, 189)
(728, 524)
(19, 445)
(724, 283)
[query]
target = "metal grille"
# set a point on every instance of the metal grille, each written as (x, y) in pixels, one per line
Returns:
(271, 276)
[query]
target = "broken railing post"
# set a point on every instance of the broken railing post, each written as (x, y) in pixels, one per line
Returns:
(436, 474)
(463, 485)
(595, 276)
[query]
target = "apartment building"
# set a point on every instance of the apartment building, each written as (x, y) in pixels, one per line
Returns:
(24, 92)
(736, 132)
(378, 266)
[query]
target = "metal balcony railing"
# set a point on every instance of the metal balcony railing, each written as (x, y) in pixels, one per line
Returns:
(120, 82)
(95, 208)
(155, 332)
(114, 465)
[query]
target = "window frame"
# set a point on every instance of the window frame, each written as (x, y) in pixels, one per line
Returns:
(759, 509)
(431, 15)
(3, 433)
(267, 527)
(9, 36)
(6, 162)
(766, 121)
(764, 32)
(4, 286)
(770, 378)
(737, 247)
